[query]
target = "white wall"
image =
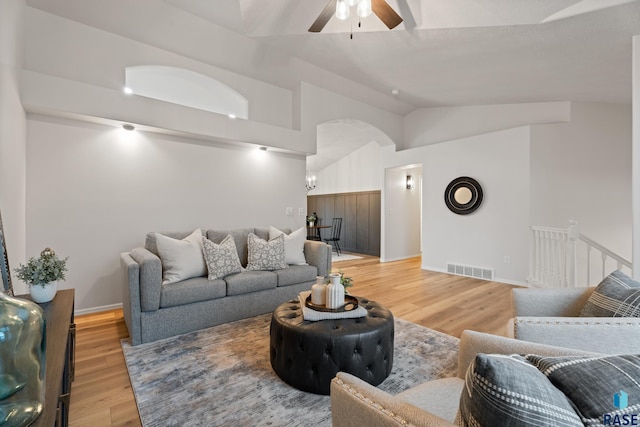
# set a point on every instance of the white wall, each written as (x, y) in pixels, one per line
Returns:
(319, 106)
(403, 214)
(636, 157)
(12, 135)
(54, 46)
(73, 70)
(499, 161)
(582, 170)
(426, 126)
(94, 191)
(359, 171)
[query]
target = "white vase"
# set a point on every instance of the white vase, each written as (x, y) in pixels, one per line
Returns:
(44, 293)
(319, 292)
(335, 292)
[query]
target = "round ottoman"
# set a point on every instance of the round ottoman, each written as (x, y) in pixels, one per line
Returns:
(307, 355)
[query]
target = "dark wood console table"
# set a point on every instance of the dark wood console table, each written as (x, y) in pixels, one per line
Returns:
(60, 361)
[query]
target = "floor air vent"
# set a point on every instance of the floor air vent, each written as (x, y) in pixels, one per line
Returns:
(470, 271)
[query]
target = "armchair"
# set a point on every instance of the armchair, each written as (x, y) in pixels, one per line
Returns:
(551, 316)
(434, 403)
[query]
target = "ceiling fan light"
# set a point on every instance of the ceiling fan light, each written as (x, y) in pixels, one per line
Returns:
(364, 8)
(342, 10)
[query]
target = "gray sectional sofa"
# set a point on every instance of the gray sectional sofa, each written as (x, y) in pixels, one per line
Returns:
(153, 310)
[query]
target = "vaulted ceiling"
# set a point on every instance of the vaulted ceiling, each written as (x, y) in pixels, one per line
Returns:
(453, 52)
(445, 53)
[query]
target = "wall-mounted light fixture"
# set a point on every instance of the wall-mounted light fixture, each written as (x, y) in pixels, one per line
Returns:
(310, 182)
(128, 127)
(263, 148)
(409, 182)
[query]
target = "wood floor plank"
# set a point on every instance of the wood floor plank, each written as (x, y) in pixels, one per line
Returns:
(102, 395)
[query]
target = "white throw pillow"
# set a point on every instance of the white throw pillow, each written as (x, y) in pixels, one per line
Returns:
(293, 245)
(181, 259)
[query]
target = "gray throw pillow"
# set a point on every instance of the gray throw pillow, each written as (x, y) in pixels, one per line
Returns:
(618, 295)
(592, 383)
(265, 255)
(222, 259)
(508, 391)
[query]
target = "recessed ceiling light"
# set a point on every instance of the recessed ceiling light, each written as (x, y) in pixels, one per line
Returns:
(127, 90)
(232, 116)
(395, 92)
(127, 126)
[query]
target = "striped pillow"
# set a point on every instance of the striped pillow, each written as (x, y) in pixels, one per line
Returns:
(592, 384)
(618, 295)
(509, 391)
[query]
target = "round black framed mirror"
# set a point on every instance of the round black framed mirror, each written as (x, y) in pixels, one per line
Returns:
(463, 195)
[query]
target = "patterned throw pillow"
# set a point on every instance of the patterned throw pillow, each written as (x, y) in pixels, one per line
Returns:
(592, 383)
(508, 391)
(222, 259)
(265, 255)
(618, 295)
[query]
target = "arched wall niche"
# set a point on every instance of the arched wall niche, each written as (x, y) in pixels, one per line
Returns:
(188, 88)
(337, 139)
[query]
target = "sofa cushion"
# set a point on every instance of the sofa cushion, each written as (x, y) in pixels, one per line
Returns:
(618, 295)
(293, 244)
(296, 274)
(591, 383)
(181, 259)
(240, 236)
(192, 290)
(509, 391)
(221, 259)
(439, 397)
(265, 255)
(250, 281)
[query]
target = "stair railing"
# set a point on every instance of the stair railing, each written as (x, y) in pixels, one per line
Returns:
(562, 257)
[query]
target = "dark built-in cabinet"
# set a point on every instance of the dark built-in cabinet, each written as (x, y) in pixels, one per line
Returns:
(360, 213)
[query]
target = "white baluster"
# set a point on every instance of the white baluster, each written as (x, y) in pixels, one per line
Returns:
(572, 254)
(588, 265)
(538, 256)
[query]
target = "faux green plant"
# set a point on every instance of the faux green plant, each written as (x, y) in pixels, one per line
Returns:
(347, 282)
(42, 270)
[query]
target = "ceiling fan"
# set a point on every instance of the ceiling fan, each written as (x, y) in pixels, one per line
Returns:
(341, 9)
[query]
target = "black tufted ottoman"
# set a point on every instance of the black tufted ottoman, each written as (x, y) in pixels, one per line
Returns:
(307, 355)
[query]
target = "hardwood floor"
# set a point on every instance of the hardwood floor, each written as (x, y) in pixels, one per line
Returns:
(101, 393)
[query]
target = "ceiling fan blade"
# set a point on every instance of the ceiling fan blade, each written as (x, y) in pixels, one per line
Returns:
(386, 14)
(323, 18)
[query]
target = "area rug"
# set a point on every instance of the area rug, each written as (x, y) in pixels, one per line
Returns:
(343, 257)
(222, 376)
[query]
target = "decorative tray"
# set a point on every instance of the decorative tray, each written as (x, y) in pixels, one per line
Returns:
(350, 304)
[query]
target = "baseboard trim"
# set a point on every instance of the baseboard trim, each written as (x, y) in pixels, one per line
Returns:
(97, 309)
(400, 258)
(495, 279)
